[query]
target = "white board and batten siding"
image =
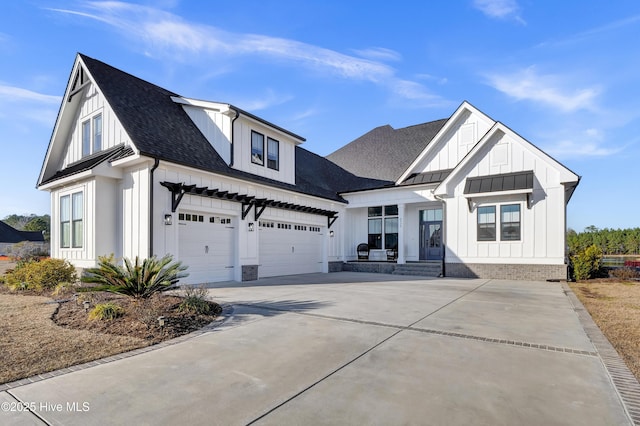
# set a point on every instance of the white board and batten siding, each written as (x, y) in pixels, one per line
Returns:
(92, 104)
(542, 224)
(215, 126)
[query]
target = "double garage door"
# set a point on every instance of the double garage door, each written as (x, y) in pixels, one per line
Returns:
(207, 245)
(287, 249)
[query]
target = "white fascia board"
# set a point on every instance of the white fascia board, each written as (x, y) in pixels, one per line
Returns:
(212, 106)
(498, 193)
(131, 160)
(465, 106)
(441, 188)
(273, 129)
(65, 181)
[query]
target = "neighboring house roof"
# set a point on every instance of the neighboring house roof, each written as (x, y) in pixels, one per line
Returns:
(11, 235)
(384, 152)
(160, 128)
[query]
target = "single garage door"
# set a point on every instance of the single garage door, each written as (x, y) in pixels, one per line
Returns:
(206, 246)
(287, 249)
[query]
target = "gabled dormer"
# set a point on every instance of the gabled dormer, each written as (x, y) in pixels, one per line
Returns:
(244, 141)
(87, 128)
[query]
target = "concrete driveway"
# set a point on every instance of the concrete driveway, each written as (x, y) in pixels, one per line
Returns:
(352, 349)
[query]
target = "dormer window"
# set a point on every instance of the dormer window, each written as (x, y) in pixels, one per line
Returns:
(273, 154)
(257, 148)
(92, 135)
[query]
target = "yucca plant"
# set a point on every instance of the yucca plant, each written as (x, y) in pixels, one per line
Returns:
(135, 279)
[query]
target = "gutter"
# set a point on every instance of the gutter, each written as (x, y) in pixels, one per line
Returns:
(232, 133)
(156, 163)
(444, 234)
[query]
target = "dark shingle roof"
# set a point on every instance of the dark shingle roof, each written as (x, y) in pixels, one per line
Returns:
(160, 128)
(11, 235)
(501, 182)
(384, 152)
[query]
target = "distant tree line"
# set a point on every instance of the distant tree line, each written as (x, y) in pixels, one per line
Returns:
(609, 241)
(30, 223)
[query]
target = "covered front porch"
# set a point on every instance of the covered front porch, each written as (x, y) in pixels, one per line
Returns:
(399, 225)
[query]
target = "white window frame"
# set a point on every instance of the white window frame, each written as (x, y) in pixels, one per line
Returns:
(91, 134)
(74, 220)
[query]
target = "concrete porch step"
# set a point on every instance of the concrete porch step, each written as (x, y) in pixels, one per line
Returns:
(418, 269)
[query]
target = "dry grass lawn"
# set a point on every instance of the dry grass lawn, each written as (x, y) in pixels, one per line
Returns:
(32, 343)
(615, 307)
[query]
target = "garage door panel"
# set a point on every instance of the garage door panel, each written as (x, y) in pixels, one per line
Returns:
(206, 246)
(290, 249)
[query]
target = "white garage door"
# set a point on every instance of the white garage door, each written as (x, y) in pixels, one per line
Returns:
(206, 246)
(287, 249)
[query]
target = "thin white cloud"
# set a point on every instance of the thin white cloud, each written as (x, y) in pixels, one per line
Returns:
(18, 94)
(499, 9)
(379, 54)
(594, 32)
(170, 35)
(551, 90)
(571, 149)
(268, 99)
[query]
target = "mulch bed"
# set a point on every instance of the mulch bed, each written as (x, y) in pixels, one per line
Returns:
(140, 317)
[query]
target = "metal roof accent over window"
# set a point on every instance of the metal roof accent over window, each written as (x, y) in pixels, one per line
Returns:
(502, 182)
(427, 177)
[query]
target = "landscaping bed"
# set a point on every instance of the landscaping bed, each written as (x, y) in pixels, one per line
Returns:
(615, 308)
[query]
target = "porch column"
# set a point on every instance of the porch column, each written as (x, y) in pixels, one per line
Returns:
(401, 234)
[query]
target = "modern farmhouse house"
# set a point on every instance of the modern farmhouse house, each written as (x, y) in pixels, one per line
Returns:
(135, 170)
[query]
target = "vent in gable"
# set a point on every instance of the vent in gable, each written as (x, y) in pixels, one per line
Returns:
(466, 134)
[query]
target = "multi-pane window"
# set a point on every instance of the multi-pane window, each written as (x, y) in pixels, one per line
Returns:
(257, 148)
(71, 220)
(92, 135)
(487, 223)
(510, 222)
(383, 227)
(273, 154)
(86, 138)
(65, 221)
(97, 133)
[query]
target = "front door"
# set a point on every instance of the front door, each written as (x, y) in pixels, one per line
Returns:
(431, 234)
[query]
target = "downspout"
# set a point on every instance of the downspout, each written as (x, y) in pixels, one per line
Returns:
(444, 227)
(232, 134)
(156, 163)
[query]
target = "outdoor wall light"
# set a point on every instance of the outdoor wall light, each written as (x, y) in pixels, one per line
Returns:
(86, 304)
(250, 226)
(331, 234)
(161, 321)
(168, 219)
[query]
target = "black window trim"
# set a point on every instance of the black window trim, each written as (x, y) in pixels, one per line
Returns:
(262, 151)
(277, 167)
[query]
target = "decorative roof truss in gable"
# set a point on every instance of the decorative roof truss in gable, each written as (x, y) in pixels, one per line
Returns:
(80, 81)
(178, 190)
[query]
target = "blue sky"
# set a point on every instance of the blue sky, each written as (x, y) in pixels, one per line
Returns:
(564, 75)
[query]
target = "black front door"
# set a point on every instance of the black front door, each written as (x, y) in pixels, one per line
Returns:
(430, 236)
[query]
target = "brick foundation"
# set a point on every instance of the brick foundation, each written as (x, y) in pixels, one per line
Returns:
(249, 272)
(335, 266)
(503, 271)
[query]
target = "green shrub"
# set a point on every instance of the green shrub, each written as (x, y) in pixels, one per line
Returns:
(587, 263)
(137, 280)
(106, 311)
(195, 301)
(40, 275)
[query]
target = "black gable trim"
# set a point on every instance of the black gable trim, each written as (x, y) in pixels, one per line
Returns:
(497, 183)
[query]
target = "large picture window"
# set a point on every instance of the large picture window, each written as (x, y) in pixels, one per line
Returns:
(510, 222)
(383, 227)
(273, 154)
(257, 148)
(71, 220)
(487, 223)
